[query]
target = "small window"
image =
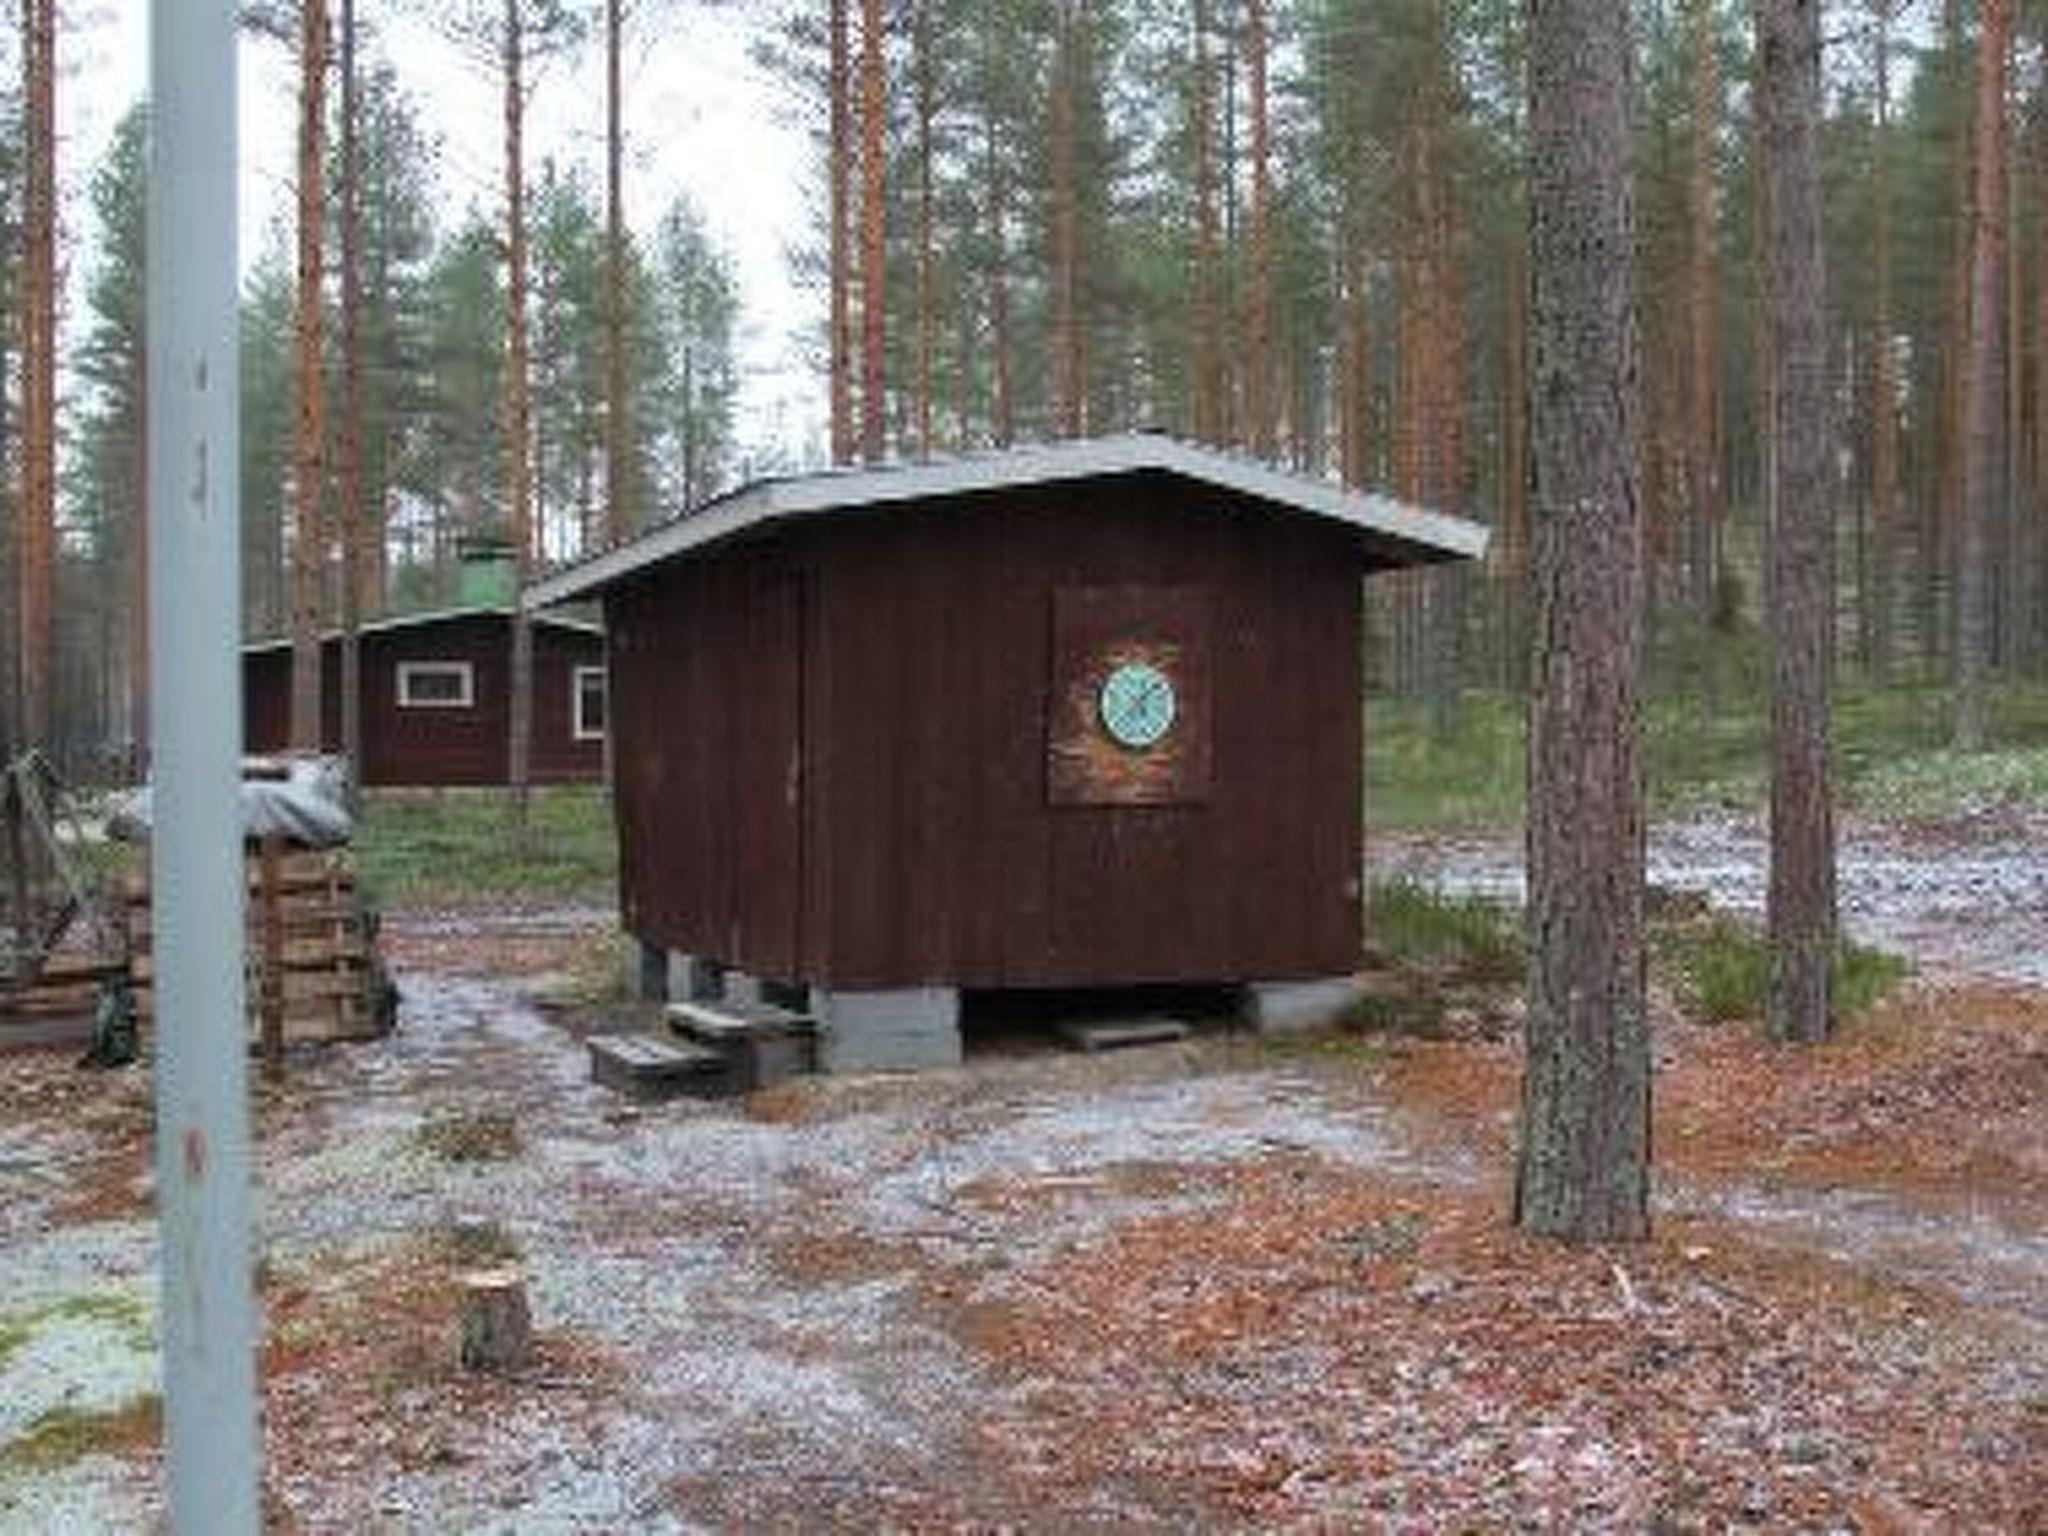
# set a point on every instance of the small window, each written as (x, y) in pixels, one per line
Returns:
(587, 704)
(436, 685)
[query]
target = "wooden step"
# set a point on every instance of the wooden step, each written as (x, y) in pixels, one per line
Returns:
(1116, 1034)
(728, 1020)
(647, 1067)
(764, 1044)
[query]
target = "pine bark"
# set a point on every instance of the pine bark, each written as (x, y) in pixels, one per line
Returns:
(1066, 227)
(839, 173)
(927, 295)
(1354, 392)
(1703, 436)
(311, 540)
(1983, 372)
(356, 523)
(1259, 327)
(1583, 1165)
(874, 299)
(2038, 523)
(38, 507)
(1884, 383)
(1801, 902)
(518, 416)
(1209, 404)
(1003, 413)
(618, 406)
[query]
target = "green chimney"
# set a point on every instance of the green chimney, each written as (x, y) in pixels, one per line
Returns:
(486, 578)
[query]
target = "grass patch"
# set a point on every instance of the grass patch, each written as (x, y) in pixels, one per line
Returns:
(62, 1436)
(472, 1136)
(1720, 969)
(126, 1314)
(445, 846)
(1415, 927)
(1892, 753)
(1418, 1014)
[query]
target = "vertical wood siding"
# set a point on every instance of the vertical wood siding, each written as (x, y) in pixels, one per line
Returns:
(895, 672)
(438, 746)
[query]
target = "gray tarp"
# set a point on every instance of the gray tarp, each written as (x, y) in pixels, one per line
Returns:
(301, 799)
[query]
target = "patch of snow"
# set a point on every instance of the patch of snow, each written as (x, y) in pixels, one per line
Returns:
(1970, 897)
(94, 1493)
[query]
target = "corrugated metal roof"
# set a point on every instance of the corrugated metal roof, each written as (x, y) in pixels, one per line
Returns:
(1407, 534)
(436, 616)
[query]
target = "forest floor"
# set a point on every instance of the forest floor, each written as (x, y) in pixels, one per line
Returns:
(1227, 1284)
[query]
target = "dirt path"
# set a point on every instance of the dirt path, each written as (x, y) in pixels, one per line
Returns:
(1962, 896)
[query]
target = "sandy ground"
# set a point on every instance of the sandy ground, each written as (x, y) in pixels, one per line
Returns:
(1219, 1286)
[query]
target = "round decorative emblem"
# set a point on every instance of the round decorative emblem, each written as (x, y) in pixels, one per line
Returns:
(1137, 705)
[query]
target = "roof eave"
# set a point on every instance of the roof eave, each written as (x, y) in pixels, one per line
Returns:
(1409, 535)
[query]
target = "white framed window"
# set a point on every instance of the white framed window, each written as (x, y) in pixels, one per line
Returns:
(588, 706)
(436, 685)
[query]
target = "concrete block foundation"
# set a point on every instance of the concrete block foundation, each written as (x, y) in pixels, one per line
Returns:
(692, 978)
(1297, 1007)
(903, 1029)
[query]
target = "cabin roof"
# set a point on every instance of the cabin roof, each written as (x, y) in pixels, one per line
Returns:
(402, 621)
(1403, 534)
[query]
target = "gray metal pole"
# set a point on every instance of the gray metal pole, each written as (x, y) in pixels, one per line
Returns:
(202, 1067)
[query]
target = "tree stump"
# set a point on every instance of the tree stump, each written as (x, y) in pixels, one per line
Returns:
(497, 1328)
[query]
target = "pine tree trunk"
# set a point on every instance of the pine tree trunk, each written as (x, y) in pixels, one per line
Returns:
(618, 406)
(1984, 371)
(518, 419)
(310, 536)
(355, 521)
(38, 506)
(874, 236)
(1066, 228)
(927, 298)
(1801, 587)
(840, 279)
(1208, 403)
(1944, 538)
(1513, 572)
(1884, 383)
(138, 578)
(1003, 423)
(1703, 437)
(1259, 340)
(1583, 1166)
(1354, 402)
(2038, 523)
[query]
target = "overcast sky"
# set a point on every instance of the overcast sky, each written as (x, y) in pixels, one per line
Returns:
(700, 117)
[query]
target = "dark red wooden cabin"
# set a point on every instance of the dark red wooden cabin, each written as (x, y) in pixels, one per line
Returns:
(862, 742)
(436, 698)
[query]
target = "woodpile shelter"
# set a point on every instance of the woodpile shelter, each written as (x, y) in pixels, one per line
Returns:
(1074, 716)
(436, 692)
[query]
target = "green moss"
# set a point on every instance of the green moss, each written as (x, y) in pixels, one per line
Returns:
(62, 1436)
(127, 1314)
